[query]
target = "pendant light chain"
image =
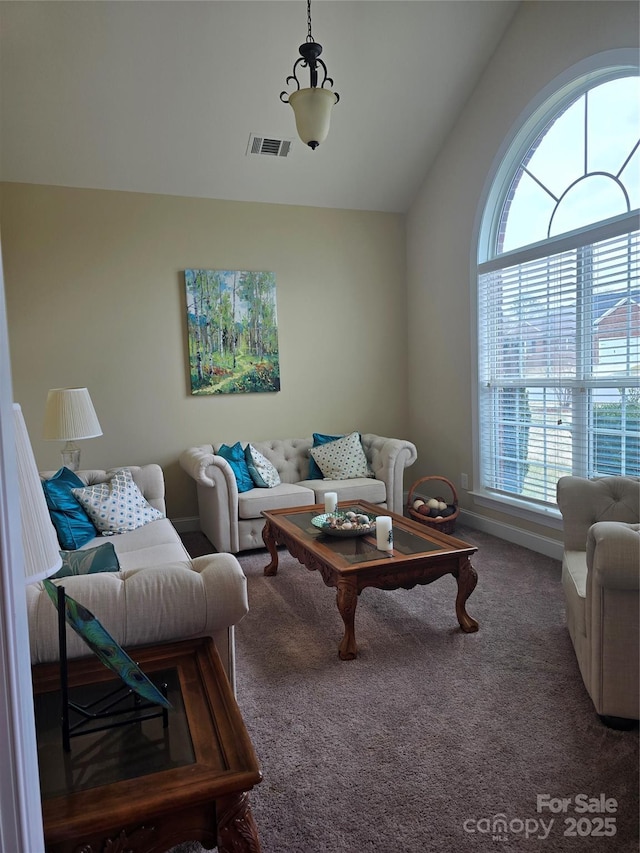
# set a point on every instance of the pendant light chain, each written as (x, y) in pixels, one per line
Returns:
(309, 36)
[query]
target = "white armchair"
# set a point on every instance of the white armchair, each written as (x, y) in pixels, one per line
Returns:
(601, 583)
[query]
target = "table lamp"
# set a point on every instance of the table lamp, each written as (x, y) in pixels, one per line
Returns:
(39, 540)
(68, 416)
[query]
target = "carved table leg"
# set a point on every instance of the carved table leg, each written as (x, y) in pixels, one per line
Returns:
(347, 600)
(237, 830)
(270, 544)
(467, 579)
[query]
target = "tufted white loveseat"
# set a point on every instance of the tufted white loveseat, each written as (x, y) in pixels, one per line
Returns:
(233, 522)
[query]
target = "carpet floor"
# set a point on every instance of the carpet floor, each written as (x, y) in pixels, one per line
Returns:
(432, 739)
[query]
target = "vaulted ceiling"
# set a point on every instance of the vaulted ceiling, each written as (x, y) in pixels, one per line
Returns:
(162, 97)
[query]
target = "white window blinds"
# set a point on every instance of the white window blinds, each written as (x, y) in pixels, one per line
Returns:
(559, 365)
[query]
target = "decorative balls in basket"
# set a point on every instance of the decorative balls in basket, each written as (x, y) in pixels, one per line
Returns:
(438, 512)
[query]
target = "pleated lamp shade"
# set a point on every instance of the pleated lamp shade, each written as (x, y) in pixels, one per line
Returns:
(39, 539)
(69, 415)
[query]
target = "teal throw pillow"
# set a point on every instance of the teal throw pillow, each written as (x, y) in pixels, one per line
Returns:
(319, 439)
(263, 473)
(235, 457)
(72, 524)
(89, 562)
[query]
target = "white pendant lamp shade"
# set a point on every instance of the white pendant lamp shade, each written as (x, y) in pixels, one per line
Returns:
(312, 109)
(69, 415)
(39, 539)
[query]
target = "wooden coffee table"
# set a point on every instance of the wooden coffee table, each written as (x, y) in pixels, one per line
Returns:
(143, 788)
(421, 555)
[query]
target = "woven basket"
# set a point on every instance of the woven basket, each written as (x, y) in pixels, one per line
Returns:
(445, 525)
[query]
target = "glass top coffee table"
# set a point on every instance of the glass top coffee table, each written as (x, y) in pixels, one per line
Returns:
(420, 555)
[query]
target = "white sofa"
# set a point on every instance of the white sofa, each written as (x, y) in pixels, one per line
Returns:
(601, 583)
(232, 521)
(159, 595)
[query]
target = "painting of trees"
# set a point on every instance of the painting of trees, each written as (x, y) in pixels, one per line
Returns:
(232, 331)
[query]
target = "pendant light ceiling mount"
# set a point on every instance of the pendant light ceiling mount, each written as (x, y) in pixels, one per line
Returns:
(312, 105)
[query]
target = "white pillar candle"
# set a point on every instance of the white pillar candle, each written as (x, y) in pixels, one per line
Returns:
(330, 502)
(384, 533)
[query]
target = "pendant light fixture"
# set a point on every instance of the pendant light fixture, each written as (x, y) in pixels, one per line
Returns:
(311, 106)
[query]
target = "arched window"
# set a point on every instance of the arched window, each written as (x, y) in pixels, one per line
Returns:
(559, 294)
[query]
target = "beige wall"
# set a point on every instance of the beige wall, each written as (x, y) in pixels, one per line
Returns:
(544, 40)
(95, 291)
(95, 297)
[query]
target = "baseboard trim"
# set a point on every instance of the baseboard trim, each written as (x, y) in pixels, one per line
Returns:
(190, 524)
(533, 541)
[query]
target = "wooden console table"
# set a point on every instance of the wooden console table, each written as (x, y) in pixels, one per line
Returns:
(142, 788)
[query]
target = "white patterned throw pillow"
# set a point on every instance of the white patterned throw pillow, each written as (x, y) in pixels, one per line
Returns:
(343, 459)
(116, 506)
(263, 473)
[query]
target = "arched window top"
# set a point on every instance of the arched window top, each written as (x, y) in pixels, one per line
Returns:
(583, 168)
(558, 291)
(574, 162)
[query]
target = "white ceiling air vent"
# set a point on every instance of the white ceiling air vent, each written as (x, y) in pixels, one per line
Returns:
(268, 146)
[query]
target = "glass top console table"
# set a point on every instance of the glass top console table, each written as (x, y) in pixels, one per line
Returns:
(142, 787)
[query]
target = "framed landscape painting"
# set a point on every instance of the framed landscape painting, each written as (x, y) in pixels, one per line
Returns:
(233, 331)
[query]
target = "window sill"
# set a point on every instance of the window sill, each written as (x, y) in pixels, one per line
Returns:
(545, 516)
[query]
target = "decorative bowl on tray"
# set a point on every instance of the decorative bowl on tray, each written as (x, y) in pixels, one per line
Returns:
(345, 523)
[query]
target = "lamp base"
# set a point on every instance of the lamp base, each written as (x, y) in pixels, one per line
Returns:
(71, 456)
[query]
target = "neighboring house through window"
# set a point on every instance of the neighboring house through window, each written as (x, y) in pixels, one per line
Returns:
(559, 295)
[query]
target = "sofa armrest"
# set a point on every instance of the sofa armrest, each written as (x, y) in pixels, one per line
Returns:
(388, 458)
(611, 658)
(613, 555)
(584, 502)
(158, 604)
(217, 495)
(197, 461)
(209, 470)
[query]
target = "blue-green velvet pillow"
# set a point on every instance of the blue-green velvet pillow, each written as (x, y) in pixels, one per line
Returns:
(103, 558)
(318, 439)
(72, 524)
(235, 457)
